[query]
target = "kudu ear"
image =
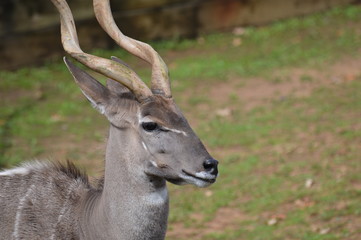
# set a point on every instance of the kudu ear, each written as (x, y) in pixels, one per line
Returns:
(115, 86)
(94, 91)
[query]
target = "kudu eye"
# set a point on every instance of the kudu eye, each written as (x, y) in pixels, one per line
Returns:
(149, 126)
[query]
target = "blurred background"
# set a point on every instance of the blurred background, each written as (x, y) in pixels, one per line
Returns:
(36, 23)
(273, 88)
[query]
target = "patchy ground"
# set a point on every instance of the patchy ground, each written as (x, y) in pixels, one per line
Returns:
(255, 92)
(279, 106)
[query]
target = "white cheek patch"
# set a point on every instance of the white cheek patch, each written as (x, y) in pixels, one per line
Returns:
(176, 131)
(154, 163)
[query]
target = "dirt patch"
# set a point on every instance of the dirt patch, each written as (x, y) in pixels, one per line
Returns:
(295, 83)
(226, 218)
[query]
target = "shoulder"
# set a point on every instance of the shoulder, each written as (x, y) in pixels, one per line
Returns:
(47, 177)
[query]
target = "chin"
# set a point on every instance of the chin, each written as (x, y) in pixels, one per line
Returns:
(199, 183)
(184, 180)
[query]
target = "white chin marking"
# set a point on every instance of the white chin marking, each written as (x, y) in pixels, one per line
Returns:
(195, 181)
(204, 175)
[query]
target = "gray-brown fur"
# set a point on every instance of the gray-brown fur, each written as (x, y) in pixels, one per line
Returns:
(43, 203)
(150, 142)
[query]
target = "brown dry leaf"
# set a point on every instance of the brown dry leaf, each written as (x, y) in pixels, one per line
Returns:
(324, 231)
(272, 221)
(309, 183)
(320, 230)
(275, 219)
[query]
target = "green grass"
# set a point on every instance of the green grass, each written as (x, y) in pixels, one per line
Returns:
(267, 152)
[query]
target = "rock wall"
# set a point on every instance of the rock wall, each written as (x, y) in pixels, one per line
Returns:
(29, 30)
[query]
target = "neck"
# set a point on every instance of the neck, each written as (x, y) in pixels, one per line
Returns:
(132, 204)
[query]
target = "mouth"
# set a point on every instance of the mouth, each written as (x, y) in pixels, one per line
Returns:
(200, 179)
(176, 181)
(200, 176)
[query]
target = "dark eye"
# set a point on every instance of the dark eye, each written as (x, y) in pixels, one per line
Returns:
(149, 126)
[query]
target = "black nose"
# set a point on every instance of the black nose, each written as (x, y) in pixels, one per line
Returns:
(210, 165)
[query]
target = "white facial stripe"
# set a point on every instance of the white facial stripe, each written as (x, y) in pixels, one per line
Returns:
(139, 118)
(16, 171)
(146, 119)
(176, 131)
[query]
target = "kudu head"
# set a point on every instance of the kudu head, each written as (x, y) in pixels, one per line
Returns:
(157, 126)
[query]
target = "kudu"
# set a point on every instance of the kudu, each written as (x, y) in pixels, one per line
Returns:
(150, 142)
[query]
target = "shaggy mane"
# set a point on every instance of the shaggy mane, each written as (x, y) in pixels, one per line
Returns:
(72, 171)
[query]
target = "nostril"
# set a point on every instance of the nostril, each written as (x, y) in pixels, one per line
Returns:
(210, 165)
